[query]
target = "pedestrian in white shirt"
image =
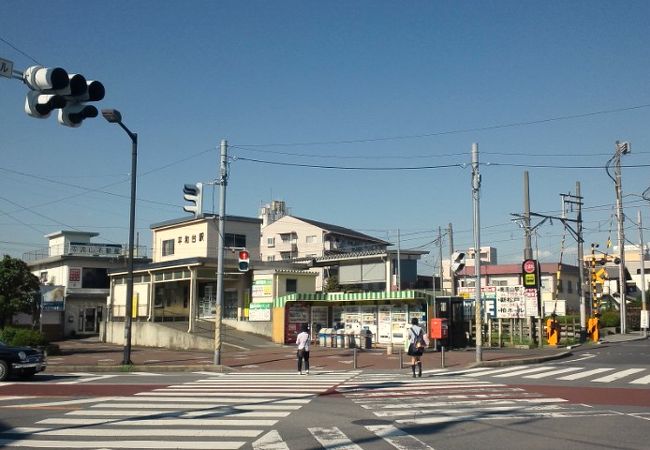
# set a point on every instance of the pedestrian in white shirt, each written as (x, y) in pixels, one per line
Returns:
(302, 340)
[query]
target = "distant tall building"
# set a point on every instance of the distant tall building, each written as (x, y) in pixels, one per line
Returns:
(273, 211)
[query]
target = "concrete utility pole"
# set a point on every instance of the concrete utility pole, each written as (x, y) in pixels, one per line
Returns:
(440, 260)
(452, 274)
(223, 182)
(399, 263)
(581, 271)
(528, 254)
(642, 256)
(476, 189)
(622, 148)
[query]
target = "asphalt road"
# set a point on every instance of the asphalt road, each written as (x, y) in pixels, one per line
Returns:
(338, 409)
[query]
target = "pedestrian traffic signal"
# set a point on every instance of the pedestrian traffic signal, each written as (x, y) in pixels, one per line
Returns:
(244, 261)
(54, 88)
(193, 193)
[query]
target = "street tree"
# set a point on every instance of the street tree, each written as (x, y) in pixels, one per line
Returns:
(18, 289)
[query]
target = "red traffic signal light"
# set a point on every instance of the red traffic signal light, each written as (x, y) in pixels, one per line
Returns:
(244, 261)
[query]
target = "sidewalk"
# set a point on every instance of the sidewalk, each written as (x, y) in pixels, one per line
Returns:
(90, 355)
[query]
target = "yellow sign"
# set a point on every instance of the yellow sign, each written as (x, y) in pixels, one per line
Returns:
(601, 276)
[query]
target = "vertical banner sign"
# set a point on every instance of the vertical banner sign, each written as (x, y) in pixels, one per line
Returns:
(530, 276)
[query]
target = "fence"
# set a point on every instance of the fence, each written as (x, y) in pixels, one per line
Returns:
(523, 332)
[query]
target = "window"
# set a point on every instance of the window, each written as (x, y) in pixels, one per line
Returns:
(270, 242)
(311, 239)
(43, 277)
(291, 285)
(270, 258)
(569, 287)
(234, 240)
(94, 278)
(168, 247)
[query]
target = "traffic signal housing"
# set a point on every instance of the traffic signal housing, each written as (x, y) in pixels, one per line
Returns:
(193, 193)
(244, 261)
(54, 88)
(457, 261)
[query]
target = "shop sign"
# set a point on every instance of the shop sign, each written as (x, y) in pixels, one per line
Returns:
(263, 288)
(259, 312)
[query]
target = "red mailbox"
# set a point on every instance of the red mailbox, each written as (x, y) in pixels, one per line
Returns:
(438, 329)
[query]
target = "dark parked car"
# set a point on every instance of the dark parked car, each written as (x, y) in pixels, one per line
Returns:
(21, 361)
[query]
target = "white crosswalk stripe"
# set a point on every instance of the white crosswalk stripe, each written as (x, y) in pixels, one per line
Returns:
(219, 412)
(553, 372)
(442, 399)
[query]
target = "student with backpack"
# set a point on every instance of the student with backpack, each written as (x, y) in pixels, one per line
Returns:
(417, 342)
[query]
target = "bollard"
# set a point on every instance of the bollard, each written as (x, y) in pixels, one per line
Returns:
(442, 357)
(354, 358)
(401, 363)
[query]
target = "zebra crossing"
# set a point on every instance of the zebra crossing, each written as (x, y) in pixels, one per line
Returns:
(443, 398)
(222, 411)
(634, 376)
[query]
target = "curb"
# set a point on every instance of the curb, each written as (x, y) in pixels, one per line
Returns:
(137, 368)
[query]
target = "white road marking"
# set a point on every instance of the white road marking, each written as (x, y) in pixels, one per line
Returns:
(585, 356)
(161, 422)
(398, 438)
(198, 432)
(522, 372)
(94, 444)
(553, 372)
(493, 371)
(617, 375)
(333, 438)
(642, 380)
(87, 380)
(578, 376)
(270, 441)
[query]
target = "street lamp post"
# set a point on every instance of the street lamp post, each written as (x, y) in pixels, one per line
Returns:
(114, 116)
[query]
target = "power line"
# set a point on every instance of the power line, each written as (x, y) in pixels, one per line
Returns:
(18, 50)
(457, 131)
(318, 166)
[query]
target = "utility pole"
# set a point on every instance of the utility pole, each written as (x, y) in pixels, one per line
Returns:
(642, 256)
(528, 254)
(622, 148)
(452, 274)
(223, 182)
(440, 258)
(476, 189)
(581, 271)
(399, 265)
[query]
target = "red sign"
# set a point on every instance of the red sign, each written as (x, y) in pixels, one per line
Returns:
(529, 266)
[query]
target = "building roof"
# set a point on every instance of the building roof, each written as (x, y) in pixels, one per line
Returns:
(341, 230)
(67, 232)
(203, 216)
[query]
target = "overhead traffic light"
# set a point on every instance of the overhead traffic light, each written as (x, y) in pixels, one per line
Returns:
(244, 261)
(54, 88)
(193, 193)
(457, 261)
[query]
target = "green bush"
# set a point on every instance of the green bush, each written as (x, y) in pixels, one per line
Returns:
(610, 319)
(22, 337)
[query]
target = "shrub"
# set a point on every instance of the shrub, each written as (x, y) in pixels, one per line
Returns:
(22, 337)
(610, 319)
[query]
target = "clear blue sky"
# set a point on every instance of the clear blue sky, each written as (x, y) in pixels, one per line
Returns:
(369, 84)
